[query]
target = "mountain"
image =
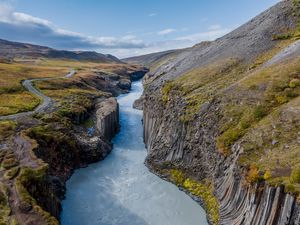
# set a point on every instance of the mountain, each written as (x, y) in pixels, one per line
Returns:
(11, 49)
(149, 59)
(221, 119)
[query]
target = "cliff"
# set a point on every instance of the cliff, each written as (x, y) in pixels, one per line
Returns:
(40, 152)
(223, 117)
(107, 114)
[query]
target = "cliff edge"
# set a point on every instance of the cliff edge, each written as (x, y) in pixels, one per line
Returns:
(221, 120)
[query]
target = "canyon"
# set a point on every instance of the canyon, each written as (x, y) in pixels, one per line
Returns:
(217, 140)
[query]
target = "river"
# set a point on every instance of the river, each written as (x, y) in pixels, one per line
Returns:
(120, 190)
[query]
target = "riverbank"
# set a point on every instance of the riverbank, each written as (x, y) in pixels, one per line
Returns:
(121, 190)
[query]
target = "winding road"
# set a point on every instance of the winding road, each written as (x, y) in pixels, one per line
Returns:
(47, 101)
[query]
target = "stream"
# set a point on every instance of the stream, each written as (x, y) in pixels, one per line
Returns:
(120, 190)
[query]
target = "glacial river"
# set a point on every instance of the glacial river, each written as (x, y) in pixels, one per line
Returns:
(120, 190)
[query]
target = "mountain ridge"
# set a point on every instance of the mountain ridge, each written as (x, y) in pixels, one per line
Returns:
(11, 49)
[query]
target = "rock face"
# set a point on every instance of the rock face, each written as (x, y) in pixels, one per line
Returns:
(65, 155)
(190, 145)
(107, 115)
(191, 148)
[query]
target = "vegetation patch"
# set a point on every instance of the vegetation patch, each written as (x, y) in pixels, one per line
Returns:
(13, 96)
(260, 93)
(29, 177)
(11, 173)
(295, 33)
(7, 127)
(4, 205)
(18, 102)
(202, 190)
(200, 85)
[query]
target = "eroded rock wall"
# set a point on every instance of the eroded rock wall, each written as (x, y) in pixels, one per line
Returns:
(190, 147)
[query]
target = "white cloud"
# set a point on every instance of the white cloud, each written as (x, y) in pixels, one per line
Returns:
(23, 27)
(166, 31)
(152, 14)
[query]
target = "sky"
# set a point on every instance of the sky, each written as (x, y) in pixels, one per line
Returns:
(123, 27)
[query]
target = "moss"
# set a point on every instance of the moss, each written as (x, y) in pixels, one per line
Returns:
(257, 103)
(9, 163)
(294, 83)
(13, 221)
(201, 84)
(267, 175)
(166, 89)
(7, 127)
(260, 112)
(26, 177)
(11, 173)
(202, 190)
(177, 177)
(253, 175)
(295, 176)
(4, 205)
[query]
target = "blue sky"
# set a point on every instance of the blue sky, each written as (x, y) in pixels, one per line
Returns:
(123, 27)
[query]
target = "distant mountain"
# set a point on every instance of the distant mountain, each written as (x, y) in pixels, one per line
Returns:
(9, 49)
(149, 59)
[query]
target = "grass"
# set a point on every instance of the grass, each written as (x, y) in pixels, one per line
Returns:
(4, 205)
(266, 56)
(7, 127)
(258, 109)
(24, 180)
(202, 190)
(293, 34)
(11, 173)
(13, 97)
(200, 85)
(17, 102)
(272, 148)
(262, 91)
(83, 65)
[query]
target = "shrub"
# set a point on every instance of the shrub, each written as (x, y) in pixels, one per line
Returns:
(9, 163)
(227, 139)
(177, 177)
(166, 89)
(260, 112)
(295, 176)
(294, 83)
(253, 174)
(202, 190)
(267, 175)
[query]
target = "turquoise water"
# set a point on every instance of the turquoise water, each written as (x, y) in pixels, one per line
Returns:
(120, 190)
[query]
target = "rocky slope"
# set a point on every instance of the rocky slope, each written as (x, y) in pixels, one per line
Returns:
(223, 117)
(40, 152)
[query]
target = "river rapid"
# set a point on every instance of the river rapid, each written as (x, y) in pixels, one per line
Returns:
(120, 190)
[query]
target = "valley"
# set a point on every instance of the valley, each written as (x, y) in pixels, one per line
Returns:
(206, 134)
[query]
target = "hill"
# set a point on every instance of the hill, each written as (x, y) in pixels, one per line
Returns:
(11, 49)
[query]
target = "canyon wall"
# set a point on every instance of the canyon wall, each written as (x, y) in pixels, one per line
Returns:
(190, 147)
(212, 112)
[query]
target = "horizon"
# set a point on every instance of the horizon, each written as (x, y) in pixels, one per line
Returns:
(147, 28)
